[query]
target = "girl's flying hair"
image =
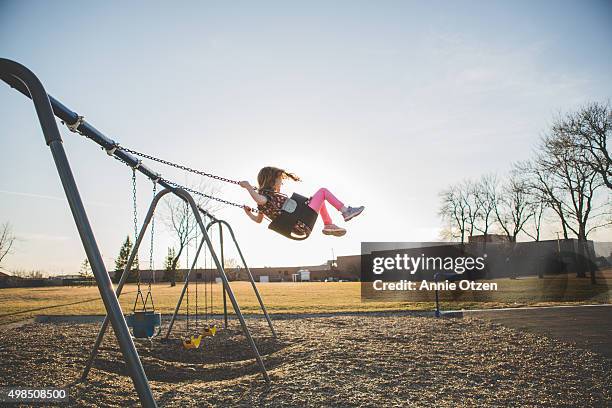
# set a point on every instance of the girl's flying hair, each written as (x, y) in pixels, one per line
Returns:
(268, 176)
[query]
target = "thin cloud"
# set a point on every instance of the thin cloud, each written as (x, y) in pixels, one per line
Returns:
(53, 198)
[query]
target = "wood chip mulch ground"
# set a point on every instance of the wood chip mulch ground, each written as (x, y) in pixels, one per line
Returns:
(339, 361)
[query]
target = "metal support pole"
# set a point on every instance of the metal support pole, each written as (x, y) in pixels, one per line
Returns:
(196, 210)
(230, 292)
(223, 265)
(180, 299)
(124, 276)
(250, 275)
(17, 73)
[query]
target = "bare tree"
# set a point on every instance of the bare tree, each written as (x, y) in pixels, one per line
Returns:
(485, 193)
(576, 181)
(569, 168)
(453, 209)
(586, 132)
(538, 208)
(468, 191)
(232, 268)
(181, 221)
(7, 239)
(512, 207)
(546, 188)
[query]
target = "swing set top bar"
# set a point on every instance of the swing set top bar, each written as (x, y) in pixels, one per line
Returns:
(76, 123)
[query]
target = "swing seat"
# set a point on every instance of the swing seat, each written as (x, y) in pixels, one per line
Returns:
(193, 342)
(144, 323)
(209, 331)
(294, 209)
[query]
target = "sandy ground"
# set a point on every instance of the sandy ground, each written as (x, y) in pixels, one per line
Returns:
(390, 361)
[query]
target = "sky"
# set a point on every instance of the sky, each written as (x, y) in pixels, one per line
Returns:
(384, 103)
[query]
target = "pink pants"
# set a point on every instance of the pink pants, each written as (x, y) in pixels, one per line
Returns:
(317, 203)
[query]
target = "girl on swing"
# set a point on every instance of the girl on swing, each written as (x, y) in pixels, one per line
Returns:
(270, 200)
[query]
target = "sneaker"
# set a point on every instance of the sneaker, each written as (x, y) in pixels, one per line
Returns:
(334, 230)
(352, 212)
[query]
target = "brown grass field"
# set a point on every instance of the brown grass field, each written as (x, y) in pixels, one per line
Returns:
(22, 303)
(317, 297)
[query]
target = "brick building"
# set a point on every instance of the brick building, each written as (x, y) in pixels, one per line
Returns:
(274, 273)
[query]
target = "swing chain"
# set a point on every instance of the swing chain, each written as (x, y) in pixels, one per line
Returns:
(149, 289)
(191, 170)
(152, 230)
(195, 264)
(116, 146)
(80, 120)
(209, 276)
(187, 304)
(176, 165)
(135, 209)
(135, 205)
(221, 200)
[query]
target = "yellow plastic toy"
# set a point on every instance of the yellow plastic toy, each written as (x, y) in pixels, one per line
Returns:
(192, 342)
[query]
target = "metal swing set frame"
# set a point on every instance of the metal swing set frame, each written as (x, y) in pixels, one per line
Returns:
(25, 81)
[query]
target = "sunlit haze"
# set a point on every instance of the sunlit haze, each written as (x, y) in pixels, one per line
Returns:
(384, 103)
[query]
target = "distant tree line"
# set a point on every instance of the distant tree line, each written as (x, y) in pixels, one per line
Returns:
(566, 183)
(568, 177)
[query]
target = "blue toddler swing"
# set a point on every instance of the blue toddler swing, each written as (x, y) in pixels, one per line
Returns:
(145, 323)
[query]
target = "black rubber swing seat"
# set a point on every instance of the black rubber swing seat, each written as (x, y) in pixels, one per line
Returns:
(294, 210)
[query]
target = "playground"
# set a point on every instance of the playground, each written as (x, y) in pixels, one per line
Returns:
(315, 344)
(479, 275)
(331, 350)
(385, 359)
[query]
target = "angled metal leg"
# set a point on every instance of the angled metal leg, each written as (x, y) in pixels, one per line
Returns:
(230, 293)
(180, 299)
(250, 275)
(124, 276)
(221, 249)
